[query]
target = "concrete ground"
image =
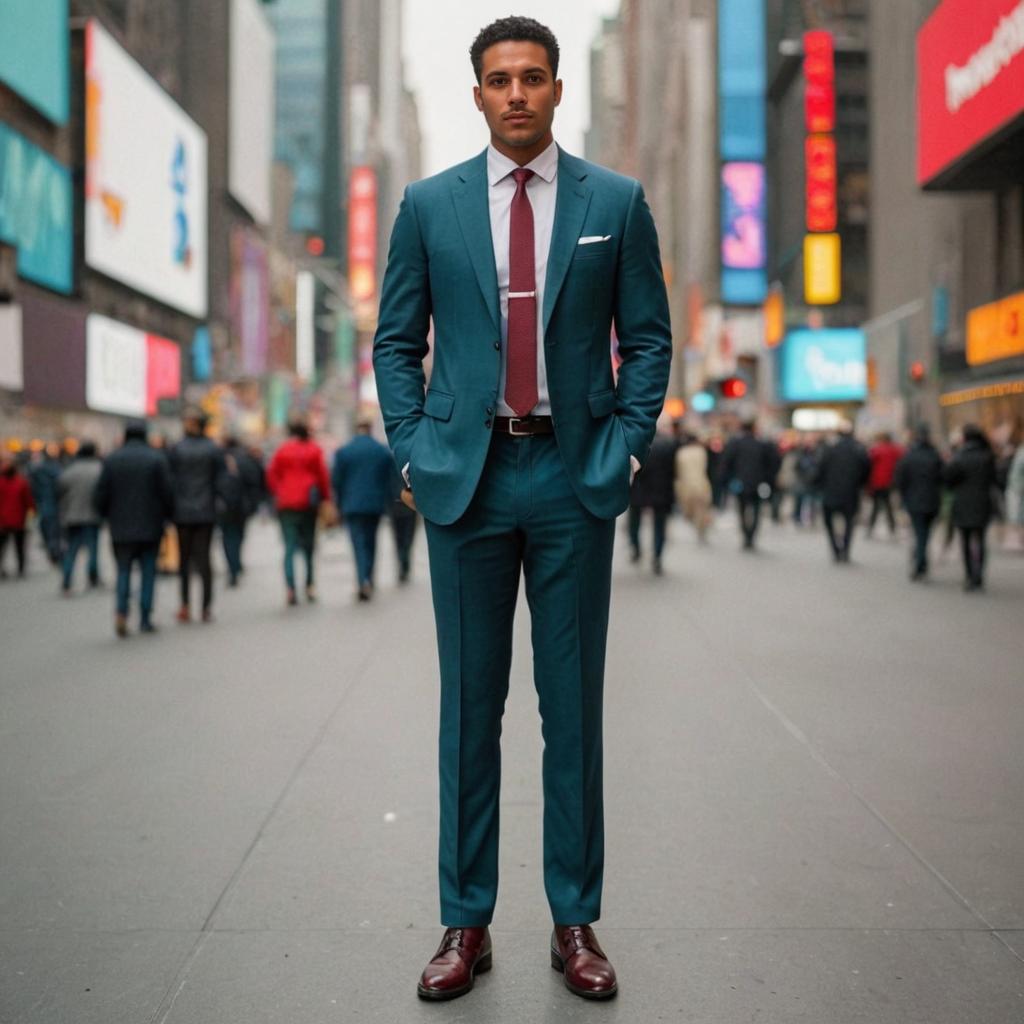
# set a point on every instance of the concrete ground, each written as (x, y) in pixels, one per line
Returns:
(815, 800)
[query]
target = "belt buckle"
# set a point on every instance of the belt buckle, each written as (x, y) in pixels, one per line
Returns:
(513, 420)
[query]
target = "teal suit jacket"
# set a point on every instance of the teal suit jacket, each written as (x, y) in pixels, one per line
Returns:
(441, 266)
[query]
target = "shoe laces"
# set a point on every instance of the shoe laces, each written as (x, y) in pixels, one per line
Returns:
(452, 939)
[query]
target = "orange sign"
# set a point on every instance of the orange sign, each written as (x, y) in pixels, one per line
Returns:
(996, 331)
(362, 233)
(774, 318)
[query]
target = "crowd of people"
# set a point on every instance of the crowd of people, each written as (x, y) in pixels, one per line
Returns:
(163, 505)
(966, 488)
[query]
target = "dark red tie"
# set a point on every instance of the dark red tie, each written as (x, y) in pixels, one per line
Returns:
(521, 366)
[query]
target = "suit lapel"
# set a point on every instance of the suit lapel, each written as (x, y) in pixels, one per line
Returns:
(571, 203)
(472, 210)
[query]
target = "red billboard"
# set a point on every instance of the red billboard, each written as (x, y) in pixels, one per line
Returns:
(819, 82)
(362, 233)
(822, 183)
(163, 371)
(970, 79)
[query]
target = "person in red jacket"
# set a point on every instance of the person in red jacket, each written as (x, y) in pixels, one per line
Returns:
(885, 453)
(15, 504)
(297, 478)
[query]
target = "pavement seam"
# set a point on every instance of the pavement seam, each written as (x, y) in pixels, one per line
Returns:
(174, 990)
(819, 758)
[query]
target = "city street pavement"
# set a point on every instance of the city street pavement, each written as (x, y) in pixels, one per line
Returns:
(814, 799)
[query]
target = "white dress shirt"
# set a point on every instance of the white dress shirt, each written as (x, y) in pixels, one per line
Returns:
(541, 190)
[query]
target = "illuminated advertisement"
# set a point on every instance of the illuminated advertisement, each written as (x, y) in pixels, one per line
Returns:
(742, 145)
(827, 365)
(145, 181)
(128, 371)
(36, 212)
(822, 183)
(34, 54)
(743, 216)
(362, 234)
(251, 128)
(996, 331)
(250, 301)
(823, 270)
(970, 80)
(819, 82)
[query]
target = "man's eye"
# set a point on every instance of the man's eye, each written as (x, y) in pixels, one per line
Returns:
(498, 81)
(534, 79)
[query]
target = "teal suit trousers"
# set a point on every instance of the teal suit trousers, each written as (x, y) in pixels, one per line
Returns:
(524, 518)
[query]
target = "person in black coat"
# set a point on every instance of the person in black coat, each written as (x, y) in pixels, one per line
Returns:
(198, 470)
(971, 475)
(918, 478)
(135, 496)
(842, 473)
(238, 499)
(747, 470)
(654, 488)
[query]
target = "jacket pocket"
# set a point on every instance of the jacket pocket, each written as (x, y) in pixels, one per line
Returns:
(602, 403)
(438, 405)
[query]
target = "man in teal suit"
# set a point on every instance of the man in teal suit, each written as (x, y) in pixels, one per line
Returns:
(519, 455)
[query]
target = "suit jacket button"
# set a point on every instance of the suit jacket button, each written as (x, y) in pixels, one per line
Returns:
(487, 424)
(497, 346)
(490, 412)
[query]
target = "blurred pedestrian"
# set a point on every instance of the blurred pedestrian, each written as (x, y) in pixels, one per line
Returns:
(1015, 497)
(361, 477)
(241, 490)
(971, 476)
(806, 497)
(786, 481)
(715, 446)
(403, 525)
(135, 495)
(747, 467)
(884, 455)
(654, 489)
(43, 476)
(918, 478)
(76, 489)
(297, 479)
(842, 473)
(198, 470)
(16, 502)
(693, 487)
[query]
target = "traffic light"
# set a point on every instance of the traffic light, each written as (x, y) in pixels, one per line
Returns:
(918, 372)
(733, 387)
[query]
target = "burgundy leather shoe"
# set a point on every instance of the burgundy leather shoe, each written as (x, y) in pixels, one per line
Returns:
(576, 952)
(463, 954)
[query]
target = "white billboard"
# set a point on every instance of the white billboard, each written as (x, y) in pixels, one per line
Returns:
(12, 375)
(115, 367)
(145, 181)
(251, 122)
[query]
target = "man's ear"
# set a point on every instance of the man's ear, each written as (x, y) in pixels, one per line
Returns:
(558, 91)
(477, 98)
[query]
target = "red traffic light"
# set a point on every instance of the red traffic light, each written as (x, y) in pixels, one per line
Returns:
(917, 372)
(734, 387)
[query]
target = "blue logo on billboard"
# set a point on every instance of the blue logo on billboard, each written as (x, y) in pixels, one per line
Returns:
(824, 366)
(179, 185)
(36, 211)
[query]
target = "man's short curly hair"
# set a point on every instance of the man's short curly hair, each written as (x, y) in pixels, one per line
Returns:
(514, 29)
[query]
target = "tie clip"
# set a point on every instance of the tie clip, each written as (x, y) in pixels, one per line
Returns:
(522, 295)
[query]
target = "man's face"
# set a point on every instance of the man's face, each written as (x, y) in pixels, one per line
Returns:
(518, 95)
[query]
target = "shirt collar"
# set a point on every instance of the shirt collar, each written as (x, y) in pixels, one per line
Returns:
(500, 166)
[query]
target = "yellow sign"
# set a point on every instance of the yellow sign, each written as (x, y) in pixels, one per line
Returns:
(822, 270)
(996, 331)
(774, 317)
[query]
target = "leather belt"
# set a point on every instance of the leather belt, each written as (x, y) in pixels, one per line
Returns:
(526, 427)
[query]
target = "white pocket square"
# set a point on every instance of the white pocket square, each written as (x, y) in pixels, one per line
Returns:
(590, 239)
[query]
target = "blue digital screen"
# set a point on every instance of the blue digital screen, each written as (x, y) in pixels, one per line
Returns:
(36, 213)
(34, 37)
(742, 79)
(828, 365)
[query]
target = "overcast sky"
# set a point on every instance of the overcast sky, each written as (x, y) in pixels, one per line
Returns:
(438, 34)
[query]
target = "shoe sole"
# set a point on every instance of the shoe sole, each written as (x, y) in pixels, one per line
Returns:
(583, 993)
(483, 965)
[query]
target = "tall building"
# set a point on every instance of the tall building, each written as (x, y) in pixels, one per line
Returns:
(946, 332)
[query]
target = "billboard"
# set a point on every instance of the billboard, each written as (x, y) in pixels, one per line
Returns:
(251, 120)
(819, 82)
(36, 212)
(970, 79)
(743, 216)
(822, 203)
(996, 331)
(145, 181)
(827, 365)
(742, 48)
(53, 340)
(127, 370)
(250, 301)
(823, 270)
(362, 234)
(11, 374)
(34, 60)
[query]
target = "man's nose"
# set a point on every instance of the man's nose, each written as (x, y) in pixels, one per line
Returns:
(516, 94)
